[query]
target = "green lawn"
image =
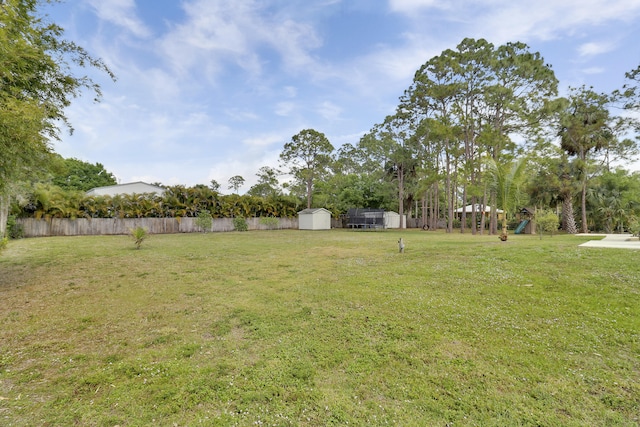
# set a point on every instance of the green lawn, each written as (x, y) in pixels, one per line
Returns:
(303, 328)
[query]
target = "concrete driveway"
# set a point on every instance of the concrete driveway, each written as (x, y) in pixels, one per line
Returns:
(620, 241)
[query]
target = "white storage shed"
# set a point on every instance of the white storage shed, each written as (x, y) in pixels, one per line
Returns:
(314, 219)
(392, 220)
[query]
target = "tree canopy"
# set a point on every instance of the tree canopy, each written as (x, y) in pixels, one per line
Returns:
(267, 185)
(307, 156)
(463, 106)
(235, 182)
(37, 83)
(74, 174)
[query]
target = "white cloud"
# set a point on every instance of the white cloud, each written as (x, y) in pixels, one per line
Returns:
(411, 6)
(260, 141)
(291, 91)
(329, 110)
(121, 13)
(505, 20)
(549, 19)
(241, 115)
(241, 32)
(294, 40)
(384, 73)
(284, 109)
(157, 84)
(593, 48)
(593, 70)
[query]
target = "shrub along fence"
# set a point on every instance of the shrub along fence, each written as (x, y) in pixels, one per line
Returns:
(108, 226)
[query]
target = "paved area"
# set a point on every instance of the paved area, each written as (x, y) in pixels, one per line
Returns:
(621, 241)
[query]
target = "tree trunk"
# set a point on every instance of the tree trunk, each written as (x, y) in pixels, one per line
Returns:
(463, 217)
(483, 218)
(568, 221)
(435, 211)
(401, 196)
(4, 213)
(474, 215)
(449, 195)
(503, 233)
(583, 207)
(493, 222)
(309, 191)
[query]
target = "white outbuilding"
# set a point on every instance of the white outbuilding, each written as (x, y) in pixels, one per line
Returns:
(392, 220)
(469, 208)
(314, 219)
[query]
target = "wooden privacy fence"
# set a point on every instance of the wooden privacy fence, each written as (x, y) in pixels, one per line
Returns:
(106, 226)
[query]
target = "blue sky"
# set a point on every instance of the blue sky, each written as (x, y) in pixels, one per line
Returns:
(209, 89)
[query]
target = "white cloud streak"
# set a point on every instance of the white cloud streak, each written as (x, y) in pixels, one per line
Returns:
(121, 13)
(218, 31)
(594, 48)
(511, 20)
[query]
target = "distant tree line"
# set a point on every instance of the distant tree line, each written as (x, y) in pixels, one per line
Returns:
(484, 126)
(480, 125)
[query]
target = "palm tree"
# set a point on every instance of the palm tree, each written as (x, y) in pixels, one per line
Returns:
(584, 128)
(567, 189)
(507, 181)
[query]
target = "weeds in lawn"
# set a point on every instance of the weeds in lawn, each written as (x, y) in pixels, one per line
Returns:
(139, 235)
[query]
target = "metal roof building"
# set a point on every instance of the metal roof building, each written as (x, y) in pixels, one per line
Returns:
(130, 188)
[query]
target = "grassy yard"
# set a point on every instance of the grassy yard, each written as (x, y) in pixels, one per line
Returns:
(302, 328)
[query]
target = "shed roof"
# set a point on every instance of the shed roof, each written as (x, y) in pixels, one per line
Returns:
(312, 211)
(128, 188)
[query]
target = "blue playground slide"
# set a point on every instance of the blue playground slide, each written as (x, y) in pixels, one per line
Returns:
(521, 226)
